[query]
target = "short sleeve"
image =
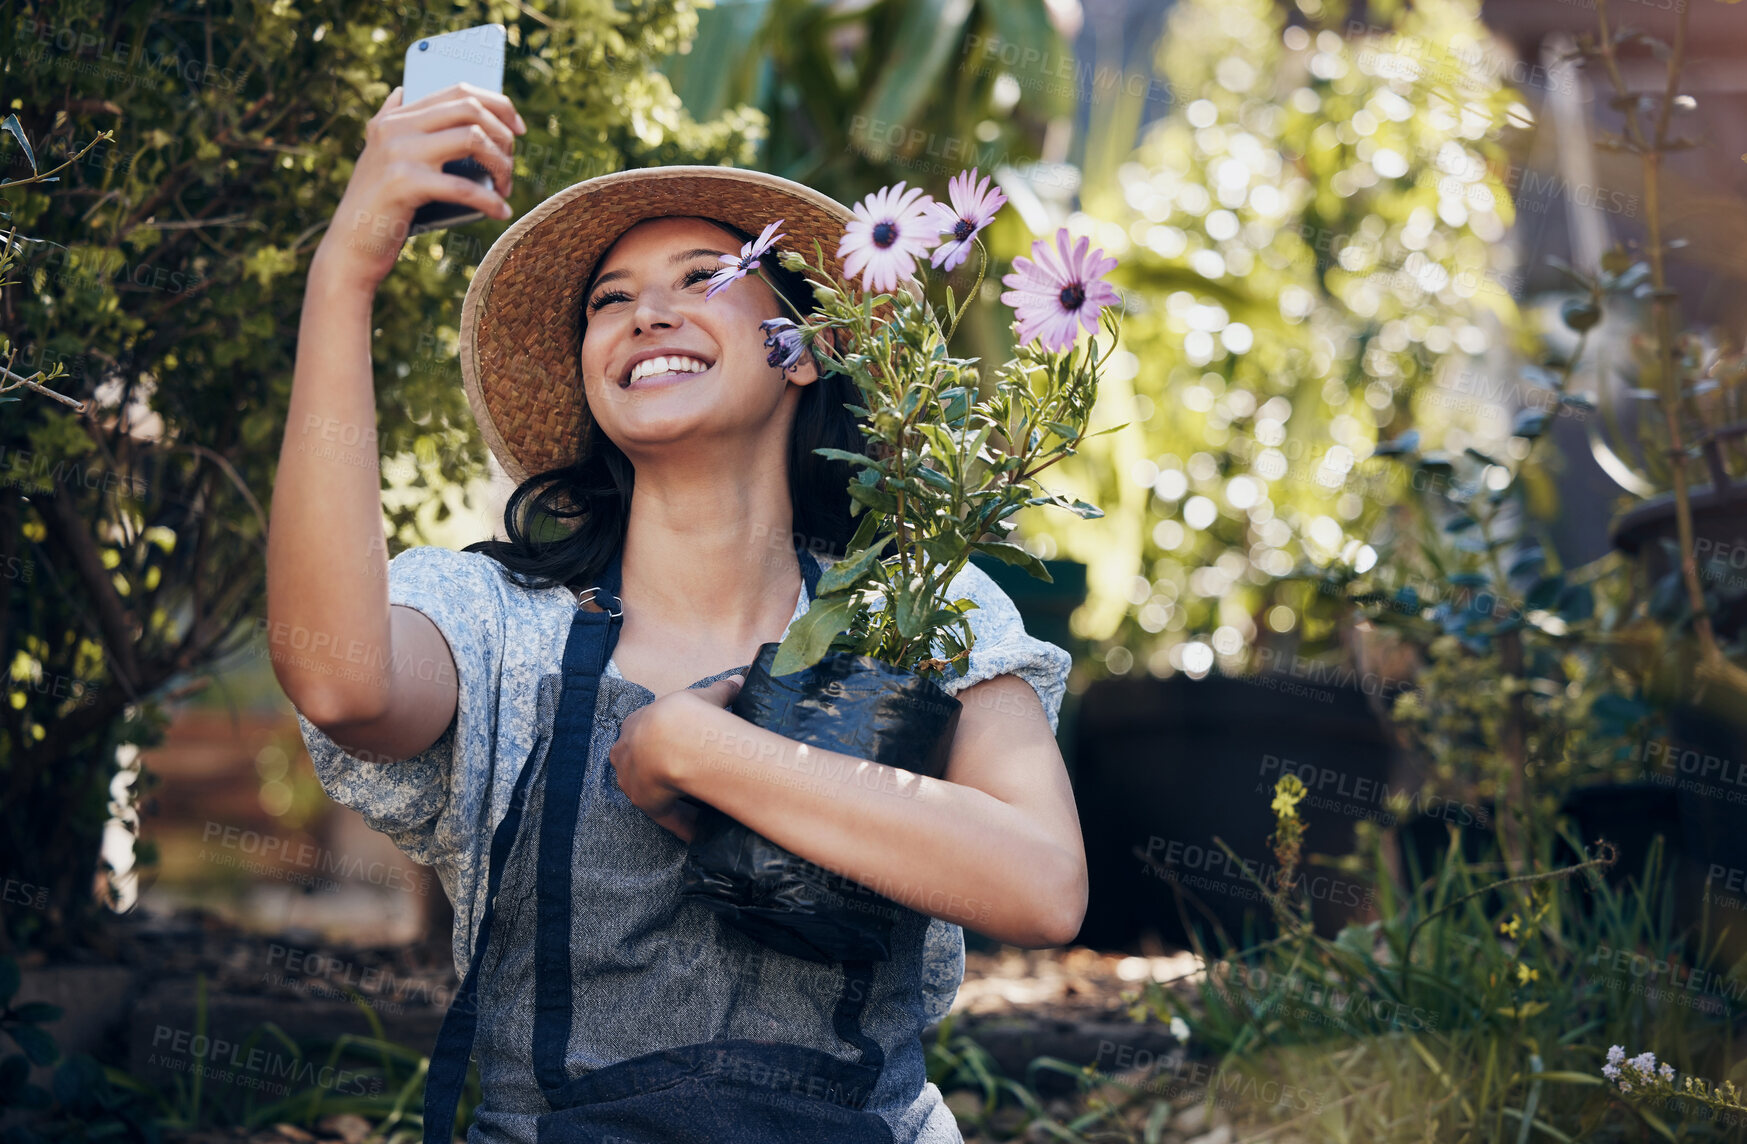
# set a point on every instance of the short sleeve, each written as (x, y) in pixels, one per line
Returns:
(942, 968)
(1003, 647)
(406, 799)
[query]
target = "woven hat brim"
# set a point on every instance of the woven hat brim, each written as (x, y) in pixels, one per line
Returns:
(520, 336)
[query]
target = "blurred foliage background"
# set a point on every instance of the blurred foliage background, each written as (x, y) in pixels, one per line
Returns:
(1309, 239)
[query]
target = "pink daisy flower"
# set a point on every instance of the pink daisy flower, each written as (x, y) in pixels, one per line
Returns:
(1059, 291)
(737, 267)
(892, 229)
(973, 207)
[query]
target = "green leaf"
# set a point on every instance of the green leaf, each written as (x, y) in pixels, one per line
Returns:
(846, 455)
(1577, 1078)
(1438, 465)
(1577, 602)
(1016, 556)
(928, 35)
(1530, 423)
(1540, 377)
(37, 1045)
(10, 124)
(1544, 593)
(810, 636)
(1630, 279)
(1530, 557)
(1580, 314)
(955, 404)
(877, 499)
(845, 573)
(1406, 443)
(936, 479)
(864, 533)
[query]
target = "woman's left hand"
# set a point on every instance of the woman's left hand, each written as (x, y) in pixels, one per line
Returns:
(644, 755)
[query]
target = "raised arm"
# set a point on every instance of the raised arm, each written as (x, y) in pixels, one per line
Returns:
(379, 680)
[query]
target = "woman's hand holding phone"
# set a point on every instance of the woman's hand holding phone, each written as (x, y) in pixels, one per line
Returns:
(401, 167)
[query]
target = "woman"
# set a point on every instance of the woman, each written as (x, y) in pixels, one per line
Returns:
(437, 693)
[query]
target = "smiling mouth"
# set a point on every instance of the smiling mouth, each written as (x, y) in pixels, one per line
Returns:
(668, 365)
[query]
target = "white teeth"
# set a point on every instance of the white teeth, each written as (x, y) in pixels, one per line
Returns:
(673, 364)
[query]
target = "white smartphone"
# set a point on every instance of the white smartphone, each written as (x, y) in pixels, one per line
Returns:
(473, 55)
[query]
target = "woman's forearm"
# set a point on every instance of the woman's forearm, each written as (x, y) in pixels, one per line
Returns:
(327, 565)
(944, 849)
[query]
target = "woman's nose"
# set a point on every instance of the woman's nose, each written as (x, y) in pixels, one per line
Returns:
(654, 311)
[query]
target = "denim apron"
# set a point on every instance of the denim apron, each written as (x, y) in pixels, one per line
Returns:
(730, 1091)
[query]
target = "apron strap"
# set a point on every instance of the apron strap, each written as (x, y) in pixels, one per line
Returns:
(447, 1073)
(585, 659)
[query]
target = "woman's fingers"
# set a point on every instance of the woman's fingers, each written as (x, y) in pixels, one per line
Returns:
(439, 186)
(723, 691)
(462, 130)
(494, 102)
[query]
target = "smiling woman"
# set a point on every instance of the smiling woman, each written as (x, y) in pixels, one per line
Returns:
(604, 475)
(666, 465)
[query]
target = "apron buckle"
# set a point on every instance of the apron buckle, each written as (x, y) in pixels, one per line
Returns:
(588, 597)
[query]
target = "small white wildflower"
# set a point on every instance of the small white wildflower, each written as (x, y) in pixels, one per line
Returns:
(1616, 1054)
(1179, 1028)
(1667, 1072)
(1612, 1072)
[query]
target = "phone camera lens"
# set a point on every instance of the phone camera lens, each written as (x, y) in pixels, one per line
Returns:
(424, 44)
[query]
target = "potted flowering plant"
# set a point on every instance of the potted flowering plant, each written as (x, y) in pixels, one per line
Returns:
(946, 467)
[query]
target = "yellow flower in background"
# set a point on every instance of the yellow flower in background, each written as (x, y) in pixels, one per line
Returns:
(1524, 974)
(1509, 929)
(1288, 793)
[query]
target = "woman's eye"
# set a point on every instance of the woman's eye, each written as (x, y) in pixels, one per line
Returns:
(701, 274)
(609, 297)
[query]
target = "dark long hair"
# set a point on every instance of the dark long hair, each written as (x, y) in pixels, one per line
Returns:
(596, 490)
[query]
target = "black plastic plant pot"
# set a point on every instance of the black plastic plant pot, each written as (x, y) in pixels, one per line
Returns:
(1719, 526)
(852, 704)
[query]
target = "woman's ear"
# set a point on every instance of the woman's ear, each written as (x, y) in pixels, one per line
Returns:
(806, 370)
(803, 372)
(836, 340)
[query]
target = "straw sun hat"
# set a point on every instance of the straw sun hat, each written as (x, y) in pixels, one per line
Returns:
(520, 335)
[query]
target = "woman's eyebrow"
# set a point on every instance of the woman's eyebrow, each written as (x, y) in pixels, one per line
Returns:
(682, 256)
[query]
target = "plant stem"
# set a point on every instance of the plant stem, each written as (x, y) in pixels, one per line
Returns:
(982, 267)
(1713, 665)
(1515, 736)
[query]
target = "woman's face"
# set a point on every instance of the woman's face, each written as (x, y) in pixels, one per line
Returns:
(647, 303)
